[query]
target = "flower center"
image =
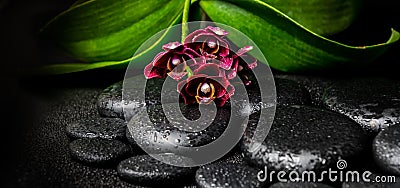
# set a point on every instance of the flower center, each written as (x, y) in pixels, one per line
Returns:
(205, 88)
(205, 93)
(212, 44)
(174, 62)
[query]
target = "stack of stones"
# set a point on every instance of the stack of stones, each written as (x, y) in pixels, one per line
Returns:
(318, 122)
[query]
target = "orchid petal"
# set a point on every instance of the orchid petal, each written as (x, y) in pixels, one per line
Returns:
(176, 75)
(226, 63)
(210, 69)
(244, 50)
(154, 72)
(217, 30)
(160, 60)
(171, 45)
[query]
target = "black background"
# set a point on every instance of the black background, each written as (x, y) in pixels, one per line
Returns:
(21, 49)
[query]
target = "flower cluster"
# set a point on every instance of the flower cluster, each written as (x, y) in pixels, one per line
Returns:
(206, 58)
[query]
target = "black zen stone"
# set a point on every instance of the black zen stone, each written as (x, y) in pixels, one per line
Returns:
(109, 103)
(305, 138)
(98, 151)
(236, 158)
(145, 170)
(299, 185)
(288, 93)
(109, 128)
(47, 161)
(136, 149)
(386, 149)
(130, 138)
(157, 135)
(227, 175)
(291, 93)
(112, 103)
(373, 103)
(316, 86)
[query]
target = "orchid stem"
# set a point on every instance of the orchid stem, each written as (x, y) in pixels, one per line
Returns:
(185, 29)
(189, 71)
(185, 18)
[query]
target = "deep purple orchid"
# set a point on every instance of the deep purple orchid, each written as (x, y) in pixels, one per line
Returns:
(209, 42)
(172, 62)
(242, 64)
(206, 85)
(237, 64)
(206, 54)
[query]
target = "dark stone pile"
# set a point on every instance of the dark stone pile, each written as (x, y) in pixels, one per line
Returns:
(318, 122)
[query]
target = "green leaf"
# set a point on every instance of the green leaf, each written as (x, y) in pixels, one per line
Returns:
(104, 30)
(141, 56)
(185, 19)
(324, 17)
(287, 45)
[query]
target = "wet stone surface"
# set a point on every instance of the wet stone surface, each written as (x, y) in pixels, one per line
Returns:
(291, 93)
(145, 170)
(109, 128)
(235, 158)
(157, 135)
(112, 103)
(109, 102)
(136, 149)
(130, 138)
(386, 149)
(302, 138)
(288, 92)
(305, 138)
(227, 175)
(98, 151)
(315, 85)
(373, 103)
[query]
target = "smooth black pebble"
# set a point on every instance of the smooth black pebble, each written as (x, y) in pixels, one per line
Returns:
(305, 138)
(291, 93)
(109, 128)
(227, 175)
(315, 86)
(373, 103)
(99, 151)
(145, 170)
(138, 92)
(288, 92)
(136, 149)
(130, 138)
(153, 131)
(386, 149)
(236, 158)
(109, 102)
(299, 185)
